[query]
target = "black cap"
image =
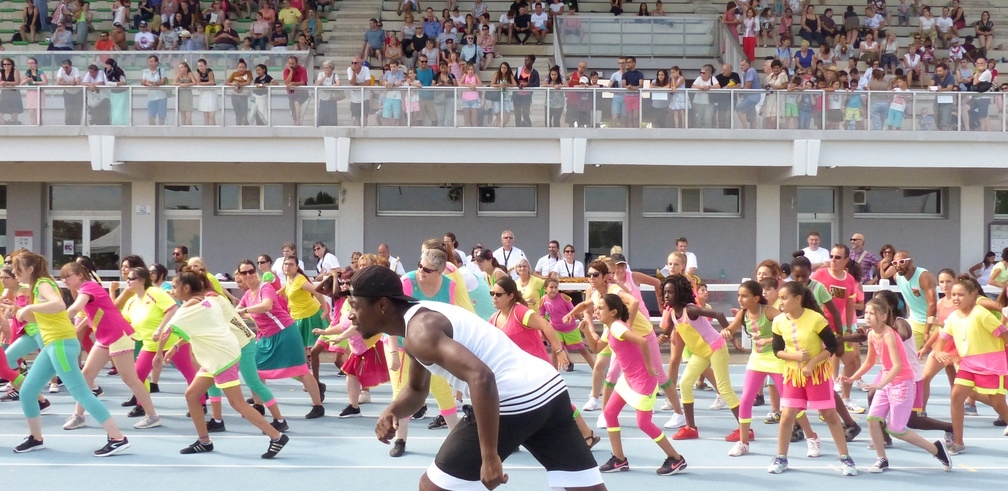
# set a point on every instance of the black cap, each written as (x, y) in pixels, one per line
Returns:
(377, 282)
(618, 258)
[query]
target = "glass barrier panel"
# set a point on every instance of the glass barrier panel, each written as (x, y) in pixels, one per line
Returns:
(62, 106)
(333, 107)
(108, 106)
(19, 106)
(154, 106)
(292, 107)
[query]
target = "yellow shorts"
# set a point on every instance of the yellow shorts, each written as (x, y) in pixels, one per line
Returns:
(125, 344)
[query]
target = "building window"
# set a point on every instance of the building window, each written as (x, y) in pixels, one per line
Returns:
(443, 200)
(318, 219)
(183, 219)
(1000, 203)
(250, 198)
(85, 220)
(882, 202)
(507, 201)
(665, 201)
(605, 199)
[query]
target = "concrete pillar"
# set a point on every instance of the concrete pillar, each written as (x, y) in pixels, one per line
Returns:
(142, 218)
(768, 221)
(561, 210)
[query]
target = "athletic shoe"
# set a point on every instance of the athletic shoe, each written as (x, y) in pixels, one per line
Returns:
(53, 388)
(250, 400)
(322, 389)
(851, 432)
(130, 402)
(12, 396)
(98, 391)
(999, 422)
(398, 448)
(112, 372)
(814, 447)
(880, 466)
(971, 410)
(778, 465)
(1005, 432)
(760, 400)
(214, 426)
(718, 404)
(137, 412)
(837, 386)
(74, 422)
(676, 421)
(923, 414)
(259, 409)
(739, 449)
(666, 406)
(197, 447)
(570, 367)
(420, 412)
(853, 407)
(593, 404)
(949, 438)
(112, 447)
(615, 465)
(319, 411)
(29, 444)
(703, 386)
(671, 466)
(7, 386)
(861, 385)
(955, 449)
(797, 434)
(737, 436)
(351, 412)
(154, 389)
(772, 418)
(686, 433)
(276, 446)
(280, 426)
(943, 455)
(148, 422)
(365, 397)
(600, 423)
(847, 466)
(44, 406)
(438, 423)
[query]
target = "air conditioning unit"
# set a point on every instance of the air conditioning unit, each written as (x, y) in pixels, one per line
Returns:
(860, 197)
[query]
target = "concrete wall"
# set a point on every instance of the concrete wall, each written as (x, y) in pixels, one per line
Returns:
(229, 238)
(404, 234)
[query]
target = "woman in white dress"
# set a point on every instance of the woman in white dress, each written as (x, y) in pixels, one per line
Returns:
(207, 102)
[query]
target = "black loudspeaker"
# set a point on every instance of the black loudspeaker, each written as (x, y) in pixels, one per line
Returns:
(487, 194)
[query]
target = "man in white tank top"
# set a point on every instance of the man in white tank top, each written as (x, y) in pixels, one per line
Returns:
(517, 399)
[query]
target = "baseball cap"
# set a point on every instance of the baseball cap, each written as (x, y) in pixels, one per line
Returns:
(485, 254)
(143, 23)
(955, 40)
(184, 33)
(584, 80)
(618, 258)
(377, 282)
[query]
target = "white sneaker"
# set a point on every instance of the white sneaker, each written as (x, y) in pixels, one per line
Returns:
(365, 397)
(53, 388)
(739, 449)
(814, 447)
(861, 385)
(6, 388)
(718, 404)
(853, 407)
(74, 422)
(837, 386)
(667, 406)
(676, 421)
(593, 404)
(601, 423)
(148, 422)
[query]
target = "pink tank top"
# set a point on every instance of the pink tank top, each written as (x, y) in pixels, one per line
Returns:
(882, 353)
(106, 320)
(516, 328)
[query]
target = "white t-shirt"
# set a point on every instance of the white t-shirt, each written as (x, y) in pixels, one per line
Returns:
(70, 78)
(943, 24)
(325, 81)
(545, 264)
(154, 94)
(145, 40)
(396, 265)
(701, 97)
(691, 263)
(505, 20)
(509, 260)
(363, 78)
(817, 256)
(564, 269)
(327, 263)
(539, 20)
(925, 23)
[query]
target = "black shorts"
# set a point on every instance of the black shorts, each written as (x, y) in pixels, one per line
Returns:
(355, 108)
(549, 433)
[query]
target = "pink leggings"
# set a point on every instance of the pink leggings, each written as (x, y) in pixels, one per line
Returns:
(750, 387)
(182, 361)
(612, 376)
(644, 418)
(9, 374)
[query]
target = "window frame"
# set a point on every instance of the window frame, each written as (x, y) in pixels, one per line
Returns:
(512, 213)
(688, 214)
(413, 213)
(942, 208)
(262, 200)
(167, 214)
(994, 213)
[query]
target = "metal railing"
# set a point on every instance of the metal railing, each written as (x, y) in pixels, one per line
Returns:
(278, 106)
(643, 37)
(134, 62)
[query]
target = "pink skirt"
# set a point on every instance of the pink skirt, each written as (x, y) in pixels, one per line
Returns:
(370, 368)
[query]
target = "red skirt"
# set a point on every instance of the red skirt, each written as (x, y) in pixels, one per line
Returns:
(370, 368)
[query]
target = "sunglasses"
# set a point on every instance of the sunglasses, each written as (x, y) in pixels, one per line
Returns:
(497, 294)
(594, 275)
(131, 278)
(425, 269)
(569, 251)
(837, 258)
(262, 262)
(855, 239)
(900, 262)
(247, 272)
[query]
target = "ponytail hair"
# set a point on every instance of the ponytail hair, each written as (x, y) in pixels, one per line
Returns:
(808, 300)
(614, 302)
(755, 289)
(969, 283)
(197, 282)
(882, 306)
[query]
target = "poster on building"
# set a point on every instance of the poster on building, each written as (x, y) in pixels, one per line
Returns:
(24, 239)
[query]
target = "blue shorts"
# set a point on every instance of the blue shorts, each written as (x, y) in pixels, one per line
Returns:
(473, 104)
(157, 109)
(508, 106)
(618, 106)
(747, 104)
(392, 108)
(894, 118)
